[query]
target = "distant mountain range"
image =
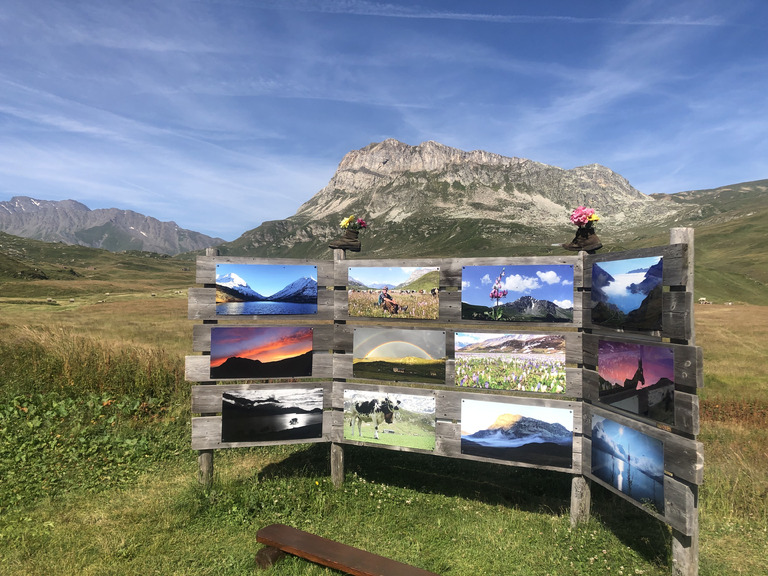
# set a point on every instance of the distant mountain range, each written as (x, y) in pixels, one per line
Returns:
(112, 229)
(431, 200)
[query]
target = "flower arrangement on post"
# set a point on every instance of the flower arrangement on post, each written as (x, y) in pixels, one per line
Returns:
(586, 238)
(352, 227)
(497, 293)
(352, 223)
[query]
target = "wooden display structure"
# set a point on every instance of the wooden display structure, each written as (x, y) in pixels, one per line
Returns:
(663, 416)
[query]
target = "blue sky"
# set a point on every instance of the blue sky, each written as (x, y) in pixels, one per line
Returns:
(221, 114)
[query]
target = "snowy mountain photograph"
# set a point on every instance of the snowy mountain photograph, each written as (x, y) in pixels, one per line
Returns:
(261, 289)
(538, 435)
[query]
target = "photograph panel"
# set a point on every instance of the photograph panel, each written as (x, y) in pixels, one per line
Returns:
(517, 293)
(399, 355)
(254, 352)
(629, 461)
(264, 415)
(537, 435)
(393, 419)
(638, 379)
(522, 362)
(627, 294)
(265, 289)
(394, 292)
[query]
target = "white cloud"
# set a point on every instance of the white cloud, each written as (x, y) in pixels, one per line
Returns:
(548, 277)
(563, 303)
(518, 283)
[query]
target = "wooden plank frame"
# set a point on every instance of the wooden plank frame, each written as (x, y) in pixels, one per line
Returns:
(683, 470)
(677, 298)
(202, 301)
(449, 426)
(206, 430)
(688, 377)
(333, 331)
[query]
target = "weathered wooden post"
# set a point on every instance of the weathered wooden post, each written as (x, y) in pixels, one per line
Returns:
(685, 549)
(337, 450)
(205, 457)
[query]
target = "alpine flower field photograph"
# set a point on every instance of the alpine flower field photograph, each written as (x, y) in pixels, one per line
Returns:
(522, 362)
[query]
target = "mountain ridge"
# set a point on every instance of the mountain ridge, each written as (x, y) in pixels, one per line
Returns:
(113, 229)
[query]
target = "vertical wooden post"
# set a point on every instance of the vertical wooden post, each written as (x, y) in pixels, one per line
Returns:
(685, 549)
(581, 488)
(205, 457)
(205, 467)
(581, 500)
(337, 464)
(337, 450)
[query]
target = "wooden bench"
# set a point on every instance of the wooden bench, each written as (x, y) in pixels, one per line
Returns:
(329, 553)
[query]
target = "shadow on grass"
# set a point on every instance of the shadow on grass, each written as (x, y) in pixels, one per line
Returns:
(525, 489)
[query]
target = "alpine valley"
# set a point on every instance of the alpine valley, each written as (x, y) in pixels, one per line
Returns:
(432, 200)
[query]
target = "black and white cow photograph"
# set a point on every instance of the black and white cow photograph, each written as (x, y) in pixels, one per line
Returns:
(405, 420)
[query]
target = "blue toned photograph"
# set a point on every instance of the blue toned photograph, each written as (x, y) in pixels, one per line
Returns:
(627, 294)
(517, 293)
(263, 289)
(629, 461)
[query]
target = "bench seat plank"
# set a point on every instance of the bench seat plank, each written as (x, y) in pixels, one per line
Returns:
(333, 554)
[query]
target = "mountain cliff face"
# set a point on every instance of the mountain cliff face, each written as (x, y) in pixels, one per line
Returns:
(442, 198)
(116, 230)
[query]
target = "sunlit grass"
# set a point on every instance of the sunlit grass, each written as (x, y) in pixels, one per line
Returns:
(135, 507)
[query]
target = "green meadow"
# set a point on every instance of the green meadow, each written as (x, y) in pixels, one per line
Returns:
(97, 476)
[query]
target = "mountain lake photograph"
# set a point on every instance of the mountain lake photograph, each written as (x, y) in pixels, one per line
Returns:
(264, 289)
(629, 461)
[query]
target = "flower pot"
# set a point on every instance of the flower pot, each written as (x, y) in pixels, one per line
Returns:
(350, 241)
(586, 239)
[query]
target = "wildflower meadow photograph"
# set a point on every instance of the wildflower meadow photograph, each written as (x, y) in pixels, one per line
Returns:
(408, 292)
(522, 362)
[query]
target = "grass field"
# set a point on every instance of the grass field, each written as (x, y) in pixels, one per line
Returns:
(98, 478)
